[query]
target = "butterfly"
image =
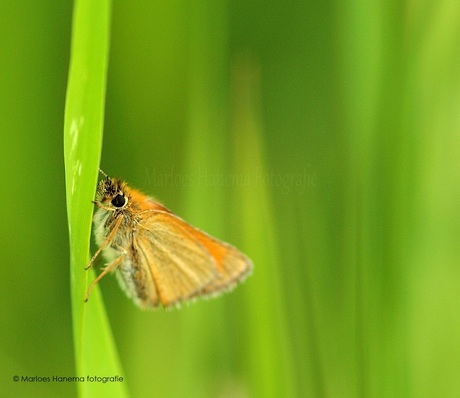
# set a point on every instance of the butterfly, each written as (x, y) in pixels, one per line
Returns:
(158, 258)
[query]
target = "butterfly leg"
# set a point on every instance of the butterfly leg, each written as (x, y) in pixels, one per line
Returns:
(115, 263)
(106, 242)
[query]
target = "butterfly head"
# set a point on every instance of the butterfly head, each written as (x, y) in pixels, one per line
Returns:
(111, 194)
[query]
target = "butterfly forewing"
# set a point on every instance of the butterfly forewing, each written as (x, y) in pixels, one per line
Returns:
(232, 265)
(179, 266)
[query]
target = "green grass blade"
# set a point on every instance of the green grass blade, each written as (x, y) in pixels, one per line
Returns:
(95, 351)
(270, 360)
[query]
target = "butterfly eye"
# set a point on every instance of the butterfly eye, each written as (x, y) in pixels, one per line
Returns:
(119, 201)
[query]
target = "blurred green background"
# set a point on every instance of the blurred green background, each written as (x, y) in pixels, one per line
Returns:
(321, 138)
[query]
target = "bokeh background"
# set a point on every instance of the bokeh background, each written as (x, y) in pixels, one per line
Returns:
(322, 138)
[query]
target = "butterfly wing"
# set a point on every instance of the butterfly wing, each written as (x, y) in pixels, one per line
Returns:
(178, 265)
(135, 279)
(184, 262)
(232, 265)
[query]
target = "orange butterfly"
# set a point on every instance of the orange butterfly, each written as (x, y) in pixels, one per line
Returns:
(158, 258)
